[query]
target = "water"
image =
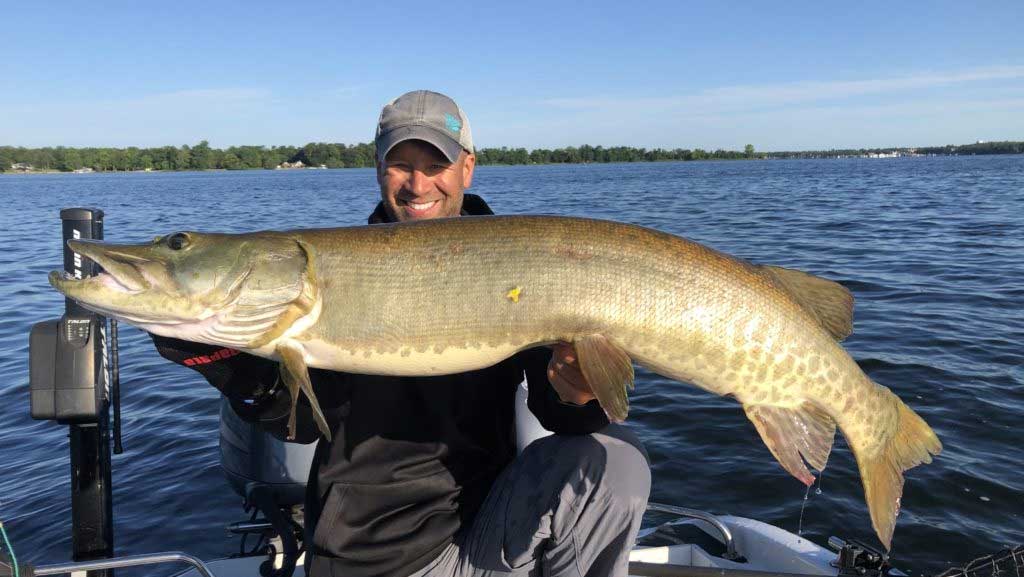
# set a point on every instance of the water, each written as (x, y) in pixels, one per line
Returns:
(931, 247)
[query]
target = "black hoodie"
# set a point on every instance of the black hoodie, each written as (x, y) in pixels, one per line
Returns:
(412, 457)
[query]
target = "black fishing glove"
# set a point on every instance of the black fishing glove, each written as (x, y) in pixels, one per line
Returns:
(240, 376)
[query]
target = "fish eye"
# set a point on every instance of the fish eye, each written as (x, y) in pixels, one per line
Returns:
(177, 241)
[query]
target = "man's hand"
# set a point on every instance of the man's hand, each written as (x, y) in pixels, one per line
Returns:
(238, 375)
(566, 377)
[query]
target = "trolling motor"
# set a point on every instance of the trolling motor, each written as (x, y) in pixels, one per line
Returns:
(271, 477)
(74, 379)
(69, 383)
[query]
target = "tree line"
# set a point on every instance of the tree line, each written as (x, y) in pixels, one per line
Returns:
(979, 148)
(198, 157)
(336, 155)
(588, 153)
(330, 155)
(1003, 147)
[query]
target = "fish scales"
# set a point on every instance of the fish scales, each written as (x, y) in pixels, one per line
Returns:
(659, 297)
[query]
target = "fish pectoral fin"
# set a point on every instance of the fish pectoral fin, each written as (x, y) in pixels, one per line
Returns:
(295, 375)
(292, 313)
(609, 371)
(794, 435)
(912, 443)
(827, 301)
(303, 304)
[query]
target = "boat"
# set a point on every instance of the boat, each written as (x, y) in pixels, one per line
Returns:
(691, 542)
(269, 474)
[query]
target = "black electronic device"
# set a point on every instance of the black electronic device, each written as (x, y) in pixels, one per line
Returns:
(67, 369)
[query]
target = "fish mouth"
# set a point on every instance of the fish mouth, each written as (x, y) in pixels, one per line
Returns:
(121, 272)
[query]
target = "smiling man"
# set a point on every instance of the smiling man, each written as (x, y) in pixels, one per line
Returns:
(425, 157)
(570, 504)
(422, 476)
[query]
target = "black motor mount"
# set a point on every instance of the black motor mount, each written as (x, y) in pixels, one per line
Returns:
(858, 559)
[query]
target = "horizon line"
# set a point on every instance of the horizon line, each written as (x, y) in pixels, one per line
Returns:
(478, 148)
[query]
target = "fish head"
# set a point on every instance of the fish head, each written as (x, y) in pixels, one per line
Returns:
(184, 281)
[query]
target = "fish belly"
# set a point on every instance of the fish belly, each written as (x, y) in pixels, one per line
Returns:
(405, 361)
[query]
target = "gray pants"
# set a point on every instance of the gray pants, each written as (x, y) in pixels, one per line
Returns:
(567, 506)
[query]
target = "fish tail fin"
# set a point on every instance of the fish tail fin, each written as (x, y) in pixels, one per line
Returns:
(913, 443)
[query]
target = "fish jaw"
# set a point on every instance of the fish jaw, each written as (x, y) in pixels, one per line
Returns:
(127, 288)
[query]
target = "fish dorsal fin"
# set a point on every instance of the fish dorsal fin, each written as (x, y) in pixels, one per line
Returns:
(795, 434)
(295, 376)
(301, 306)
(609, 371)
(827, 301)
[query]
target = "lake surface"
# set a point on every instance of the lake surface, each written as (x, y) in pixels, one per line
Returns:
(932, 248)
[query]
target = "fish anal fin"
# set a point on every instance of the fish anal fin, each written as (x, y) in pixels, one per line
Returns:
(295, 375)
(794, 435)
(609, 371)
(827, 301)
(913, 443)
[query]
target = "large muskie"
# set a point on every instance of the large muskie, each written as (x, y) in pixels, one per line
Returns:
(452, 295)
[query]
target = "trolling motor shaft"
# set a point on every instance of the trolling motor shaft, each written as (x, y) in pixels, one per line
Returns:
(68, 383)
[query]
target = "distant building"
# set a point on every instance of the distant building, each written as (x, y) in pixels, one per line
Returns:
(83, 170)
(287, 165)
(22, 167)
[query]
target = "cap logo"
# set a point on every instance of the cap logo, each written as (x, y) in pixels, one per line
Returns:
(452, 123)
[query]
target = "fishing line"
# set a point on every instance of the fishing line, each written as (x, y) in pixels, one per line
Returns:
(807, 495)
(10, 549)
(800, 525)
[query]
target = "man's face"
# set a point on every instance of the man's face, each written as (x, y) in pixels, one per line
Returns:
(418, 182)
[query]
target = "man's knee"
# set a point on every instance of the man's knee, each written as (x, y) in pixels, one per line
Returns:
(612, 459)
(627, 468)
(592, 488)
(601, 504)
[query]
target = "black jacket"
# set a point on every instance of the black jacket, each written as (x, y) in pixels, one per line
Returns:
(412, 457)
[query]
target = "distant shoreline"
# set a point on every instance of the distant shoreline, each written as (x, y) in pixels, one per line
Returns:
(766, 157)
(335, 155)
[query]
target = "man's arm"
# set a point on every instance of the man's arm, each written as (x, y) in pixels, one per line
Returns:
(546, 404)
(250, 383)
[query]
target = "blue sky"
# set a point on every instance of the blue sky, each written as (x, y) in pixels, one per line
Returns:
(781, 76)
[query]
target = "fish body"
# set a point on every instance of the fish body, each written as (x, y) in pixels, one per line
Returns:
(452, 295)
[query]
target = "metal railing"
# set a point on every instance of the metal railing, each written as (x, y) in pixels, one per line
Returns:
(730, 545)
(127, 561)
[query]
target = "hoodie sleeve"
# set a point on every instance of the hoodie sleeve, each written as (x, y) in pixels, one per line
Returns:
(249, 382)
(554, 414)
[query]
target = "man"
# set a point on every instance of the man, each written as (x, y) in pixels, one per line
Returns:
(421, 477)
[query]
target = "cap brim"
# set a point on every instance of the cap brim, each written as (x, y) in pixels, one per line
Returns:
(448, 146)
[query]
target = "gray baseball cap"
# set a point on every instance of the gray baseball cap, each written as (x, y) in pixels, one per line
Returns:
(424, 115)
